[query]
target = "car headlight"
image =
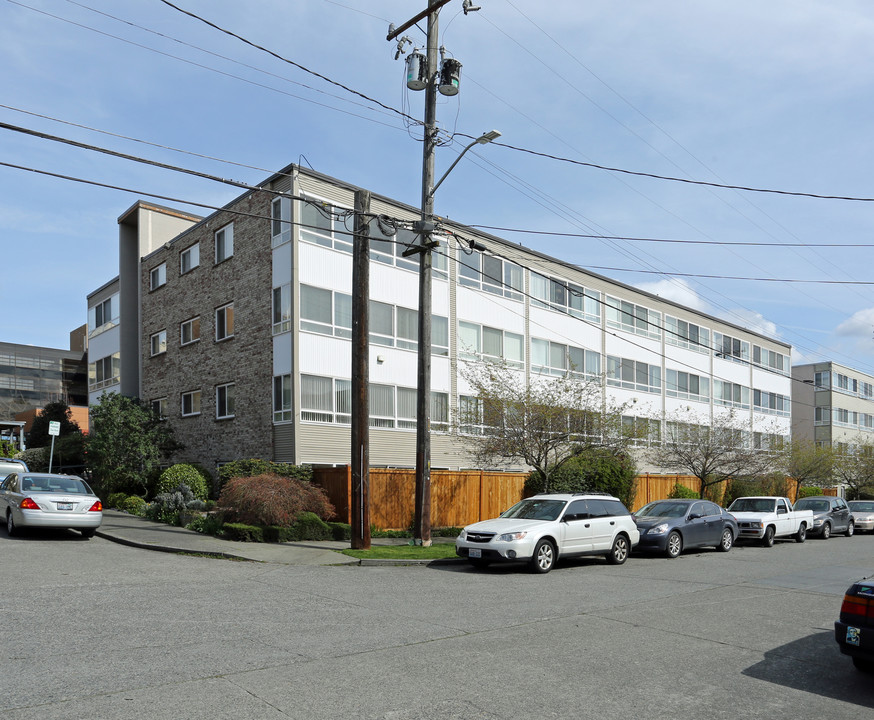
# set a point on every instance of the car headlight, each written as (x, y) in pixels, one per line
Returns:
(510, 537)
(755, 524)
(462, 535)
(817, 521)
(658, 529)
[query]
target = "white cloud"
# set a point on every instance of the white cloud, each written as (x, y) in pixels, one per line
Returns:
(678, 291)
(859, 325)
(752, 320)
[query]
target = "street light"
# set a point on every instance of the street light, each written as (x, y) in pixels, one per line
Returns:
(481, 140)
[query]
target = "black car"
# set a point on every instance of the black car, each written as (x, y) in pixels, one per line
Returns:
(670, 526)
(854, 631)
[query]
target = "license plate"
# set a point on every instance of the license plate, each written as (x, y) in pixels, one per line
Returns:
(65, 506)
(475, 553)
(853, 636)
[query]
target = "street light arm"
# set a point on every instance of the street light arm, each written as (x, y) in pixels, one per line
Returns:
(481, 140)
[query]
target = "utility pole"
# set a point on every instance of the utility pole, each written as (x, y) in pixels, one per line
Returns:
(360, 454)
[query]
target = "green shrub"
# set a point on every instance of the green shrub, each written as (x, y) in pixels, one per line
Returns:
(446, 532)
(183, 474)
(277, 534)
(310, 526)
(116, 500)
(806, 491)
(744, 487)
(242, 532)
(167, 507)
(376, 532)
(207, 524)
(681, 491)
(133, 504)
(340, 531)
(255, 467)
(592, 470)
(272, 500)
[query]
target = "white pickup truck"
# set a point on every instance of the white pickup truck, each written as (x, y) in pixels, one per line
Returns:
(765, 518)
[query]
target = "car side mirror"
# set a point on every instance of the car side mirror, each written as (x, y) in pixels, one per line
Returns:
(694, 516)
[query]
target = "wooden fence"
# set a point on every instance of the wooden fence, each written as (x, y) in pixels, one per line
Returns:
(459, 498)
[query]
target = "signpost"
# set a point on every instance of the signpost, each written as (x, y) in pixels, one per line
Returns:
(54, 431)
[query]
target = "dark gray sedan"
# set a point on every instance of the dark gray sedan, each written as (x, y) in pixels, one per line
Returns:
(671, 526)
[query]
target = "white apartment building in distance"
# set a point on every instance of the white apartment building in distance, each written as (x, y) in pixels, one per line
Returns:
(238, 330)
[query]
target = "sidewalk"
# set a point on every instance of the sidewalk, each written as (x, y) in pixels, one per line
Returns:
(138, 532)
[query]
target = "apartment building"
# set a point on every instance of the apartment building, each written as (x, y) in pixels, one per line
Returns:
(833, 405)
(245, 333)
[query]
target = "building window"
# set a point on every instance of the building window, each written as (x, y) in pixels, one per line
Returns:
(159, 407)
(189, 331)
(490, 274)
(158, 343)
(103, 316)
(731, 348)
(770, 403)
(822, 415)
(326, 312)
(282, 410)
(822, 380)
(191, 403)
(280, 225)
(686, 335)
(687, 386)
(731, 394)
(103, 372)
(321, 224)
(189, 259)
(565, 297)
(845, 384)
(642, 431)
(633, 374)
(771, 360)
(632, 318)
(558, 359)
(158, 276)
(224, 322)
(224, 401)
(407, 326)
(281, 309)
(479, 342)
(224, 243)
(323, 399)
(389, 249)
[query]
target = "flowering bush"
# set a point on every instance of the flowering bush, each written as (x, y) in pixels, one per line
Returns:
(272, 500)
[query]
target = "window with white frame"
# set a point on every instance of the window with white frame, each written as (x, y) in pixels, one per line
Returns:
(389, 248)
(642, 431)
(159, 407)
(554, 358)
(565, 297)
(325, 312)
(282, 409)
(491, 274)
(224, 243)
(769, 442)
(480, 342)
(407, 329)
(280, 221)
(103, 316)
(687, 335)
(158, 342)
(822, 380)
(189, 258)
(731, 394)
(191, 403)
(845, 384)
(322, 223)
(325, 400)
(633, 374)
(822, 415)
(105, 371)
(224, 401)
(842, 416)
(224, 322)
(627, 316)
(158, 276)
(686, 385)
(282, 309)
(731, 348)
(770, 359)
(770, 403)
(189, 331)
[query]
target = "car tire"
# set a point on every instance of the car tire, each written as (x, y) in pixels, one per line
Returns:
(619, 552)
(801, 535)
(11, 530)
(543, 559)
(826, 531)
(674, 545)
(851, 528)
(768, 539)
(727, 541)
(88, 533)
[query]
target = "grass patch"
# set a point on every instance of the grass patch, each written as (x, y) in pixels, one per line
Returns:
(438, 551)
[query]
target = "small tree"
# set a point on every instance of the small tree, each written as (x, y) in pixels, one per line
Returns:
(593, 470)
(52, 412)
(712, 452)
(126, 443)
(805, 464)
(543, 423)
(855, 470)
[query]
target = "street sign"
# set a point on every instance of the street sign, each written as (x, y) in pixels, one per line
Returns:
(54, 427)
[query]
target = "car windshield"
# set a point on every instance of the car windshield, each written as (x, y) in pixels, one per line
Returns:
(663, 509)
(815, 505)
(54, 484)
(862, 506)
(761, 505)
(536, 509)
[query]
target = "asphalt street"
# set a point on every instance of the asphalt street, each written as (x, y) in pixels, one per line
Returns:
(95, 629)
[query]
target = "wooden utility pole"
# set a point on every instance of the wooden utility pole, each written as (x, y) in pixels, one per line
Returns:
(360, 453)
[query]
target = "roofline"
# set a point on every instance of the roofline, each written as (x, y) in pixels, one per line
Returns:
(125, 217)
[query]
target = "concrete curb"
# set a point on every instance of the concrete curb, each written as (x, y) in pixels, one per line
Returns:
(168, 549)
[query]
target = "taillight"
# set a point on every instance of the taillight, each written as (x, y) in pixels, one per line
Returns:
(857, 609)
(96, 507)
(28, 504)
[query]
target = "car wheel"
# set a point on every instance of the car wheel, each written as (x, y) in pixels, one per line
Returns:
(544, 557)
(826, 531)
(851, 528)
(768, 539)
(88, 533)
(619, 552)
(674, 545)
(727, 540)
(801, 535)
(10, 524)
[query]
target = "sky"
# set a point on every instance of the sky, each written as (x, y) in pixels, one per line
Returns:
(774, 96)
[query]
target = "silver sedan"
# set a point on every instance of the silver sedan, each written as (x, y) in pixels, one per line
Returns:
(41, 500)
